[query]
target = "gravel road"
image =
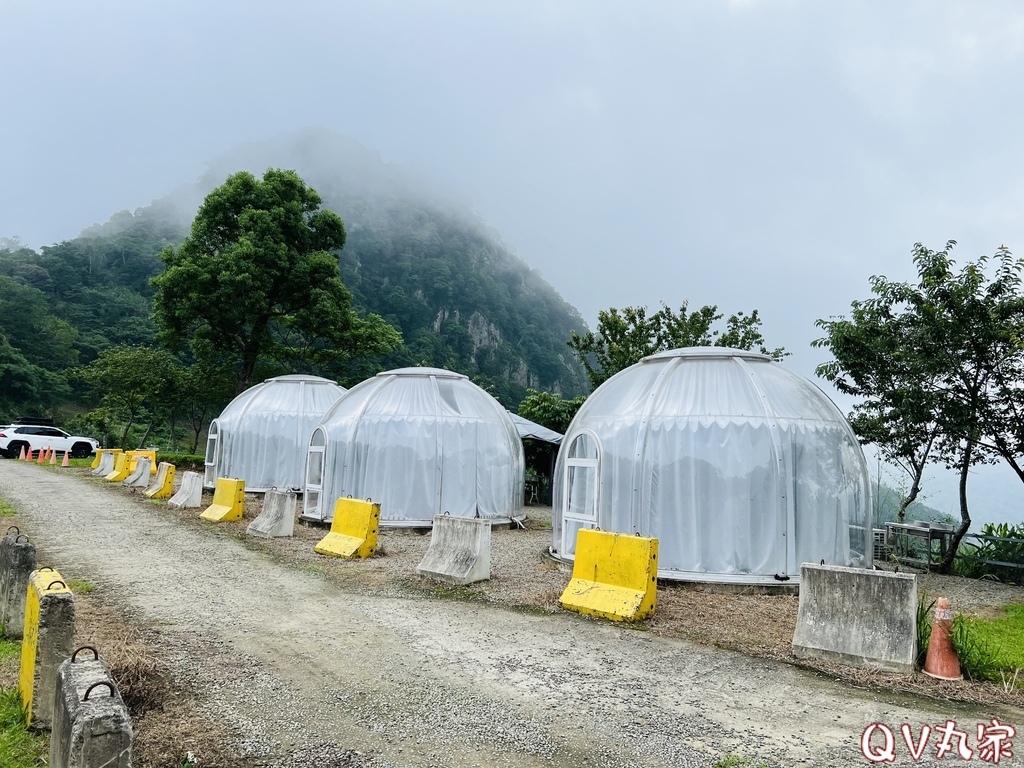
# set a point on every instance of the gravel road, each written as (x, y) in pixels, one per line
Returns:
(310, 674)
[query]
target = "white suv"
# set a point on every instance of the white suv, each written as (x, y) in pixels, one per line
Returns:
(36, 438)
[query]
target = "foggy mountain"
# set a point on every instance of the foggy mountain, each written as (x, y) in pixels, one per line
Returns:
(416, 254)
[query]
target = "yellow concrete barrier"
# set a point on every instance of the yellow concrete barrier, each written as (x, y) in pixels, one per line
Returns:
(614, 576)
(135, 457)
(353, 530)
(163, 486)
(48, 640)
(122, 469)
(99, 455)
(228, 501)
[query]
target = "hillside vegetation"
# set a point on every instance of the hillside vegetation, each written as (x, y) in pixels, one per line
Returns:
(460, 298)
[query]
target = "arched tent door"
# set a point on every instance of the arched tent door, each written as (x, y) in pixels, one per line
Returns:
(212, 455)
(580, 488)
(316, 463)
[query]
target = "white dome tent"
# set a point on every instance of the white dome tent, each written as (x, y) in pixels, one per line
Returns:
(741, 468)
(421, 442)
(262, 435)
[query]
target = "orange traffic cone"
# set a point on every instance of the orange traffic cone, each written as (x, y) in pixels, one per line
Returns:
(65, 463)
(42, 456)
(22, 455)
(53, 457)
(941, 661)
(28, 453)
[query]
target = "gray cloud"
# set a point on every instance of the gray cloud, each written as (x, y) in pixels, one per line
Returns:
(750, 154)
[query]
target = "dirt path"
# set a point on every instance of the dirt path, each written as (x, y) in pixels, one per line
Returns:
(296, 663)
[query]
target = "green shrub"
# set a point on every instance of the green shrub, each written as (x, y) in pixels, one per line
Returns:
(971, 553)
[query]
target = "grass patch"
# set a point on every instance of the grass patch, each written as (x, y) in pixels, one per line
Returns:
(1005, 634)
(9, 649)
(7, 509)
(19, 747)
(80, 587)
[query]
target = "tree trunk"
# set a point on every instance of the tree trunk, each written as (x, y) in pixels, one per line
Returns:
(915, 489)
(127, 429)
(142, 440)
(946, 566)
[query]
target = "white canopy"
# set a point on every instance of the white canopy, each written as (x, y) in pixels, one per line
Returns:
(422, 442)
(262, 435)
(741, 468)
(529, 430)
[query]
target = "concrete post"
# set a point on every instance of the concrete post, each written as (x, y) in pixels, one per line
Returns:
(17, 561)
(277, 518)
(49, 640)
(91, 725)
(459, 551)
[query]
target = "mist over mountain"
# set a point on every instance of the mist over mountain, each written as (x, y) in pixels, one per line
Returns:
(416, 254)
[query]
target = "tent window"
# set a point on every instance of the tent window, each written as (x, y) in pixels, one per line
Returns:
(579, 490)
(210, 461)
(583, 447)
(315, 462)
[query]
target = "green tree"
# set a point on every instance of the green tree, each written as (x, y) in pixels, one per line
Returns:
(202, 393)
(256, 279)
(131, 382)
(548, 410)
(26, 388)
(624, 337)
(899, 395)
(959, 333)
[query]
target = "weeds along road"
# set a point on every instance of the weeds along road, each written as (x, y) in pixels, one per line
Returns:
(295, 661)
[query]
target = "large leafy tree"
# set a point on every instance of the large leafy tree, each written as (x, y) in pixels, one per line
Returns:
(951, 348)
(624, 337)
(134, 384)
(256, 279)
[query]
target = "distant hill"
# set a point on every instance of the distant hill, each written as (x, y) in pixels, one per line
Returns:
(415, 255)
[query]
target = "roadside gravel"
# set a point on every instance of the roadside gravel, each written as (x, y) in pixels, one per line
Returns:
(310, 661)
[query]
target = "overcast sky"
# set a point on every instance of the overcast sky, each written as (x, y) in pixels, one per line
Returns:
(747, 154)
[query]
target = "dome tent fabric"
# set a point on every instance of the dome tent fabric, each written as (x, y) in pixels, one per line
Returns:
(262, 435)
(421, 442)
(741, 468)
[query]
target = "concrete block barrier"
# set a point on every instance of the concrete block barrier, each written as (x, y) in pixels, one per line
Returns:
(277, 518)
(139, 476)
(163, 485)
(96, 456)
(17, 561)
(228, 501)
(190, 494)
(48, 641)
(91, 725)
(353, 530)
(134, 457)
(614, 576)
(459, 551)
(106, 458)
(857, 617)
(121, 470)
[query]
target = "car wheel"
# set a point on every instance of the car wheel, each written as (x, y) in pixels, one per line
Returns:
(14, 449)
(81, 450)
